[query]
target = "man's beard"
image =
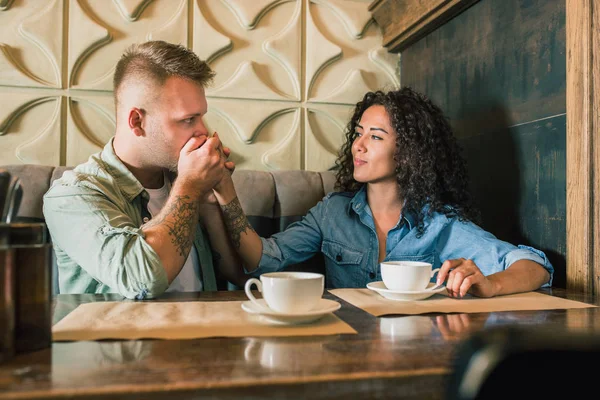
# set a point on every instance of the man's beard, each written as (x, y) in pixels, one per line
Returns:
(158, 151)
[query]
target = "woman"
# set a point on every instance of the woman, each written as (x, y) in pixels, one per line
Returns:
(402, 195)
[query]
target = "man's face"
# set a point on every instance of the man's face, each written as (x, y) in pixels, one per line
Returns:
(174, 118)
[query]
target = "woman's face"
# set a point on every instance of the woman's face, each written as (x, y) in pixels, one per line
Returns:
(374, 147)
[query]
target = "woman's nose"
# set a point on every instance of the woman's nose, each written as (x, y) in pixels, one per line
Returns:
(359, 145)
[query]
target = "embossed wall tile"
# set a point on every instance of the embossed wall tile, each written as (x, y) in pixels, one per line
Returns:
(208, 43)
(30, 128)
(325, 126)
(90, 124)
(262, 135)
(99, 33)
(354, 14)
(131, 9)
(265, 53)
(288, 73)
(248, 13)
(358, 66)
(31, 43)
(5, 4)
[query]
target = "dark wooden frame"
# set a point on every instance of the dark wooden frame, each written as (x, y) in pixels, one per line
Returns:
(403, 22)
(406, 21)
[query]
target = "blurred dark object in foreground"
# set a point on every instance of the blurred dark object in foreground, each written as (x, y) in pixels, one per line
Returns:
(521, 362)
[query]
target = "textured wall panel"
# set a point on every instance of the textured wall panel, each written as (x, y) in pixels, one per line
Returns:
(288, 73)
(99, 31)
(343, 61)
(30, 128)
(265, 136)
(90, 124)
(31, 43)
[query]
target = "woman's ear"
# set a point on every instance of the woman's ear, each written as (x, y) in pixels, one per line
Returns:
(135, 118)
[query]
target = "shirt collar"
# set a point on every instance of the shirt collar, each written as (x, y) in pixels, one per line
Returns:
(359, 202)
(126, 181)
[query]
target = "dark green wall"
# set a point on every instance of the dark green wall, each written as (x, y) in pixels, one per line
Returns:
(499, 72)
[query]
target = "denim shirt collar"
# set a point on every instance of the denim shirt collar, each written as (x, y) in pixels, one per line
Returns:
(126, 181)
(359, 204)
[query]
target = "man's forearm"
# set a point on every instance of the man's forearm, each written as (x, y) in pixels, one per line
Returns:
(171, 232)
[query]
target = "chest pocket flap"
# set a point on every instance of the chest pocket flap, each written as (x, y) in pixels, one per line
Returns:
(340, 253)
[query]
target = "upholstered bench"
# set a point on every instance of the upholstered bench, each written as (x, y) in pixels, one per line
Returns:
(272, 200)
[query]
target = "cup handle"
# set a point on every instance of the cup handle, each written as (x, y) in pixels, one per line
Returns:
(248, 286)
(435, 271)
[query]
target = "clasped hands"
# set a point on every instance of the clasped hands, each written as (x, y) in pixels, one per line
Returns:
(213, 159)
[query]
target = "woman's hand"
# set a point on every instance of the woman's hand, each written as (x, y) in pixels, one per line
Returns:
(458, 326)
(463, 277)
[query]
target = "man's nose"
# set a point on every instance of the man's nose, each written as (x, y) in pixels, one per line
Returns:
(201, 129)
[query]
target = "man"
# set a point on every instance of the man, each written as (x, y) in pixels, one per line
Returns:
(119, 222)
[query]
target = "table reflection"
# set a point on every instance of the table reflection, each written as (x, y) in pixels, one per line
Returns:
(287, 353)
(94, 357)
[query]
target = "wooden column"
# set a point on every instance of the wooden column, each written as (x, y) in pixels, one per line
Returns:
(583, 155)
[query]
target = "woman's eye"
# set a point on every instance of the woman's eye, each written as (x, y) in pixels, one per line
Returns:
(357, 134)
(376, 137)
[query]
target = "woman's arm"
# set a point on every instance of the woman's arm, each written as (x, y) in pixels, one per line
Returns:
(476, 262)
(226, 258)
(243, 237)
(464, 276)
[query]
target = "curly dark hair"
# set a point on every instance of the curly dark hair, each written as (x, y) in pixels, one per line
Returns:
(430, 169)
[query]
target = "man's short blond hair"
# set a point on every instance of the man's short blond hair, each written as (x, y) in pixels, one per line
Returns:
(155, 61)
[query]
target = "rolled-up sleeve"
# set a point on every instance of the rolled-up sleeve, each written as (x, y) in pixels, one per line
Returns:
(300, 241)
(104, 241)
(490, 254)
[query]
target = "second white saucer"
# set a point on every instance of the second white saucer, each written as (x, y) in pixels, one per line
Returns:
(323, 308)
(380, 288)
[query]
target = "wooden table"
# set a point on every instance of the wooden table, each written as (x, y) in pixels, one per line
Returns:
(390, 357)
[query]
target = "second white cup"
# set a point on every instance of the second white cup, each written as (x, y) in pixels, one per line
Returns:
(406, 276)
(288, 292)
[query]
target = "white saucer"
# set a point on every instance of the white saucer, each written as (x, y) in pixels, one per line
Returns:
(380, 288)
(323, 308)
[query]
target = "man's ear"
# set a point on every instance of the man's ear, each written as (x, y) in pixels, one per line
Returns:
(135, 118)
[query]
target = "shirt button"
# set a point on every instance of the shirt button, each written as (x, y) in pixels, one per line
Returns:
(372, 275)
(338, 258)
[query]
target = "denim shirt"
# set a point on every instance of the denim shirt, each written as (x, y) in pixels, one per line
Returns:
(341, 226)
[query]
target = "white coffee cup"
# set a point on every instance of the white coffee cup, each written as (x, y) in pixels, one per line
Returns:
(406, 276)
(288, 292)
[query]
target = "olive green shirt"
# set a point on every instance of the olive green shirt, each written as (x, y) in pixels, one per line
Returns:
(94, 214)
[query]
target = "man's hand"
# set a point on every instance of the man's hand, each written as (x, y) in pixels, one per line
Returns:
(210, 197)
(465, 277)
(201, 164)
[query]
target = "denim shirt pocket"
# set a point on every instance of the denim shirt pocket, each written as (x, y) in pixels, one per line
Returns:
(341, 254)
(343, 265)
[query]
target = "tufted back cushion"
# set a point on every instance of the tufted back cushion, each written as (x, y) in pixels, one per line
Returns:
(271, 200)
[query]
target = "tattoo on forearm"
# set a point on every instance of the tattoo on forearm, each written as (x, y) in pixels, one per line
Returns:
(235, 221)
(183, 214)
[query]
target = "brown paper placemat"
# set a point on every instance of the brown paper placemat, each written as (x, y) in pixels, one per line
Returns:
(377, 305)
(180, 320)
